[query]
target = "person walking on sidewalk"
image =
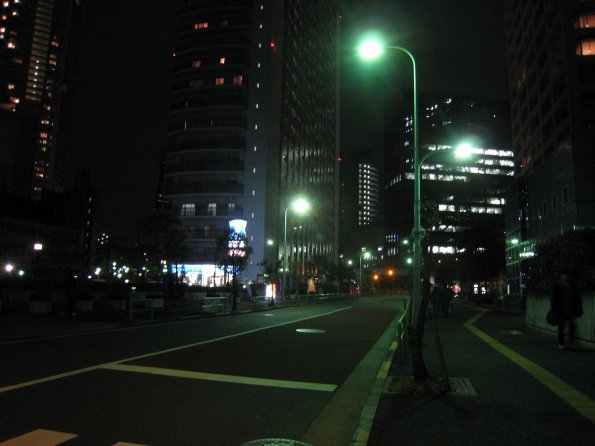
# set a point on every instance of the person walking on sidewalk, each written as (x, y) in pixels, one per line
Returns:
(445, 298)
(435, 296)
(566, 302)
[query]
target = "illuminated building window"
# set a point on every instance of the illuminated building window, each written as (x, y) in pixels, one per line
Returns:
(212, 209)
(585, 20)
(586, 47)
(201, 25)
(196, 83)
(238, 80)
(222, 61)
(196, 63)
(11, 86)
(188, 209)
(219, 81)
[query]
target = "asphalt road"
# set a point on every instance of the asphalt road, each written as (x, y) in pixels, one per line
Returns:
(286, 373)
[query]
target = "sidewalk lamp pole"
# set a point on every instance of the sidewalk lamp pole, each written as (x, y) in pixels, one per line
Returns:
(300, 206)
(365, 255)
(372, 49)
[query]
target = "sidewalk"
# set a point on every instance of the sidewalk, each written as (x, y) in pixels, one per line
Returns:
(509, 386)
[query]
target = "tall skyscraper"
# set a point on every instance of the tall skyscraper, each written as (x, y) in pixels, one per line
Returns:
(361, 210)
(38, 53)
(462, 201)
(551, 67)
(253, 124)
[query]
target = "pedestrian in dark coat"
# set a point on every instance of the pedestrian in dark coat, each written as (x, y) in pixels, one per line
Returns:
(445, 299)
(435, 297)
(566, 302)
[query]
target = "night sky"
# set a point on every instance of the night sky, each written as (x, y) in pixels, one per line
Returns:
(125, 74)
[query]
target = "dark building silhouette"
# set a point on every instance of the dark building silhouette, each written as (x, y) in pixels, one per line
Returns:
(551, 68)
(462, 200)
(48, 237)
(253, 124)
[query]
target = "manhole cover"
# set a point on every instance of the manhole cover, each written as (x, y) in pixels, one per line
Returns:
(512, 332)
(275, 442)
(461, 386)
(310, 330)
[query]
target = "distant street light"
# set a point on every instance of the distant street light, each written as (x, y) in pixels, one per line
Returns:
(299, 206)
(365, 255)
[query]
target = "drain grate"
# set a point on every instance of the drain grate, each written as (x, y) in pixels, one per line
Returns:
(461, 386)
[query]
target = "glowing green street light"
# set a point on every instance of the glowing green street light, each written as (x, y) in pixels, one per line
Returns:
(371, 48)
(299, 206)
(365, 255)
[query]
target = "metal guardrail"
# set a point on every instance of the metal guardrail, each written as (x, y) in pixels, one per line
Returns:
(403, 326)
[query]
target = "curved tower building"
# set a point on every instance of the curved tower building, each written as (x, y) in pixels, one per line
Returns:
(253, 124)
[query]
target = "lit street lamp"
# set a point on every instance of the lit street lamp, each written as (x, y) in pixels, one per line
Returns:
(299, 206)
(365, 255)
(372, 49)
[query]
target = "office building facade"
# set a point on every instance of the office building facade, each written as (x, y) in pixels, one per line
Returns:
(362, 205)
(38, 55)
(551, 67)
(462, 200)
(254, 124)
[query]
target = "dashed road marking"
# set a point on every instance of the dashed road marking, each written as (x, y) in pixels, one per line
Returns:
(40, 437)
(44, 437)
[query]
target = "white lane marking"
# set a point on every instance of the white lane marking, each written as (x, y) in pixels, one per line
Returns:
(120, 443)
(39, 437)
(234, 379)
(169, 350)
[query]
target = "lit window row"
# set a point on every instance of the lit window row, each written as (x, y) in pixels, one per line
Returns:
(586, 47)
(237, 80)
(472, 209)
(585, 20)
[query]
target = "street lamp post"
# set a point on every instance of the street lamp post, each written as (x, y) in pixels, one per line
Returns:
(371, 49)
(365, 255)
(300, 206)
